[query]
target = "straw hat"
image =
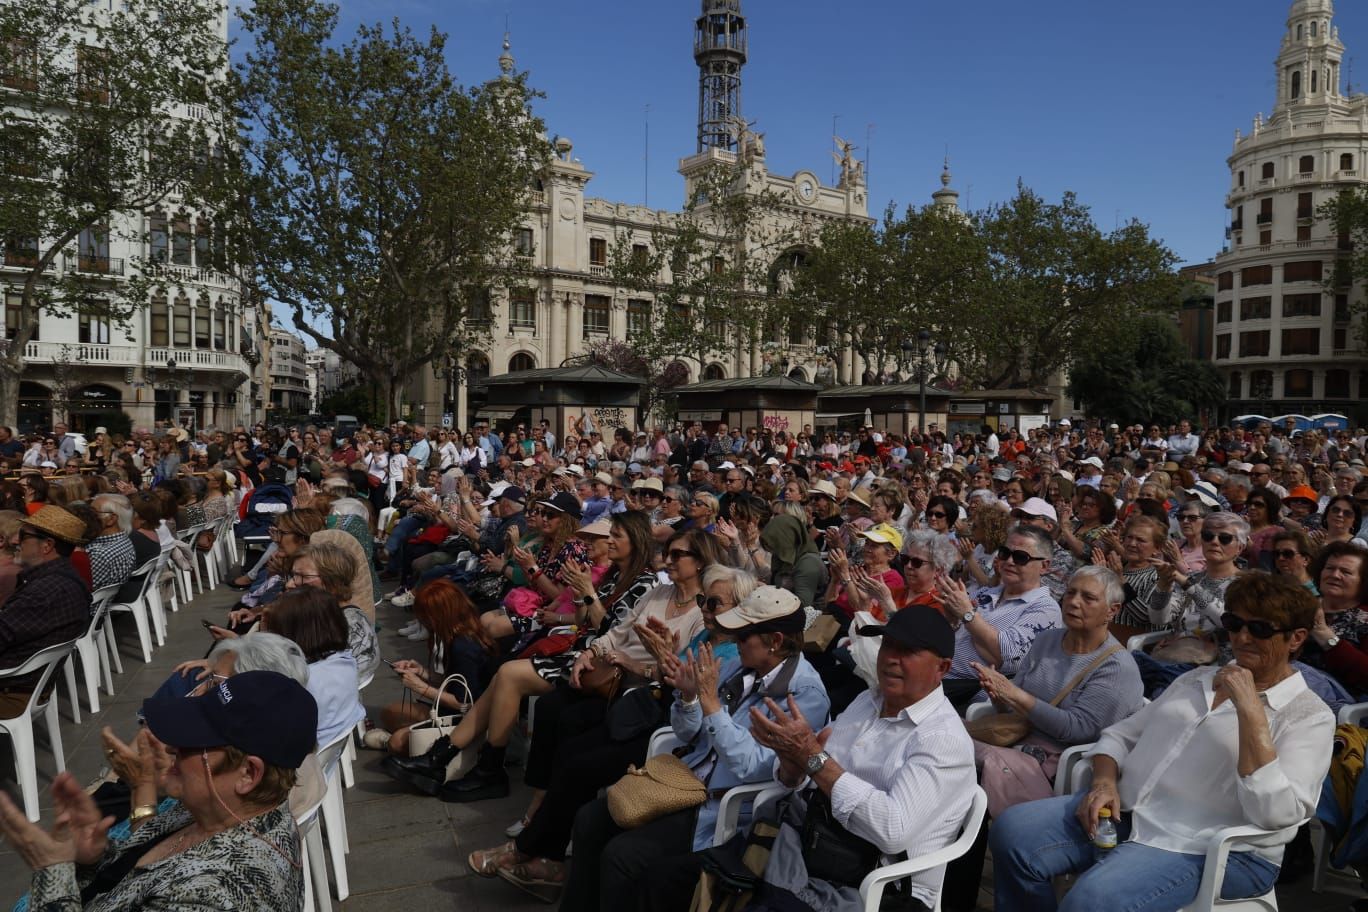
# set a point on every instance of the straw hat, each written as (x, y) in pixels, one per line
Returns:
(58, 523)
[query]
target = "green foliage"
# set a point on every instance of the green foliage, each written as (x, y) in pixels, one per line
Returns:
(88, 142)
(1144, 370)
(1348, 213)
(709, 270)
(379, 197)
(624, 358)
(353, 399)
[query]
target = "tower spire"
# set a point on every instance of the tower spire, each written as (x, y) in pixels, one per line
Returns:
(1309, 62)
(720, 52)
(506, 62)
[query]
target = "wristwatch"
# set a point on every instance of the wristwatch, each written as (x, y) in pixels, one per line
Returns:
(969, 615)
(585, 600)
(1332, 642)
(816, 762)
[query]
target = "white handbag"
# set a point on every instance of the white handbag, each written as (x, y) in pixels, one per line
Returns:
(424, 734)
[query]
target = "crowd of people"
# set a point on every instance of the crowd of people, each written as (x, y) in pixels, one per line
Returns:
(876, 621)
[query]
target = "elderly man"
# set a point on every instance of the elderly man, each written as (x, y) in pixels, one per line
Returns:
(112, 556)
(1183, 443)
(998, 624)
(1036, 512)
(896, 768)
(50, 604)
(594, 494)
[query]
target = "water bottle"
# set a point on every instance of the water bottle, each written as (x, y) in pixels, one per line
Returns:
(1104, 840)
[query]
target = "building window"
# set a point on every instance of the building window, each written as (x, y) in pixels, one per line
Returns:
(157, 238)
(180, 322)
(13, 308)
(220, 326)
(1256, 275)
(94, 324)
(21, 248)
(1300, 342)
(1261, 384)
(92, 74)
(92, 249)
(1301, 305)
(1223, 346)
(1341, 308)
(1314, 73)
(523, 242)
(719, 265)
(1303, 234)
(1260, 308)
(1296, 83)
(1306, 164)
(1223, 309)
(596, 315)
(641, 255)
(1240, 178)
(204, 243)
(202, 323)
(1236, 387)
(19, 63)
(1265, 238)
(182, 241)
(638, 318)
(160, 322)
(479, 312)
(1346, 162)
(1225, 281)
(598, 252)
(521, 362)
(523, 310)
(1337, 384)
(1267, 172)
(714, 372)
(1341, 339)
(1298, 384)
(1313, 28)
(1254, 344)
(1306, 206)
(1265, 216)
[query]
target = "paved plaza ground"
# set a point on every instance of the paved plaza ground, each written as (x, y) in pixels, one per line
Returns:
(407, 851)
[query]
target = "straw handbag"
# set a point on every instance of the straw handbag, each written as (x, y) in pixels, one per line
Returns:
(662, 786)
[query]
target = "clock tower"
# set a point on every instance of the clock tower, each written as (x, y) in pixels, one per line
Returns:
(720, 52)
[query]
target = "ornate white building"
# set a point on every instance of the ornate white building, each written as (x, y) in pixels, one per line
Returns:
(189, 357)
(568, 237)
(1284, 338)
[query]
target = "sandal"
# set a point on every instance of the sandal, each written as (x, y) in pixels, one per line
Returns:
(488, 862)
(540, 877)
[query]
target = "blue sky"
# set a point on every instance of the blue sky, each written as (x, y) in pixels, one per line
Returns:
(1133, 105)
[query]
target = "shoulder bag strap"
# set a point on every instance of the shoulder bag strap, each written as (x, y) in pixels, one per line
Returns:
(1092, 666)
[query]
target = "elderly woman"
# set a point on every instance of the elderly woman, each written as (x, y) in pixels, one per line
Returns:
(232, 842)
(702, 512)
(1339, 638)
(1096, 513)
(329, 567)
(1194, 612)
(1190, 517)
(1259, 755)
(1341, 519)
(881, 545)
(710, 714)
(1292, 556)
(1143, 542)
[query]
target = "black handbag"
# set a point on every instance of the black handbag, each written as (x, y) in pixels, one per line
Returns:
(830, 851)
(634, 713)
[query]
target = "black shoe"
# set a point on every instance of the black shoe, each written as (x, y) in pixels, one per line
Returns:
(233, 584)
(426, 773)
(476, 785)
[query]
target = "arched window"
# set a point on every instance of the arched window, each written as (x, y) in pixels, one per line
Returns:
(1296, 84)
(180, 322)
(182, 240)
(1314, 74)
(158, 242)
(1314, 27)
(798, 374)
(1261, 384)
(1301, 32)
(522, 361)
(714, 372)
(477, 367)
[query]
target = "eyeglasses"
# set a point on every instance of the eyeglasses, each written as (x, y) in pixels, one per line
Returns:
(1224, 537)
(1260, 630)
(1189, 517)
(699, 503)
(301, 577)
(1287, 554)
(675, 554)
(29, 533)
(916, 563)
(1340, 511)
(1018, 557)
(937, 514)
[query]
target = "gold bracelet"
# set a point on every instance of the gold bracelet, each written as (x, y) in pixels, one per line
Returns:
(142, 812)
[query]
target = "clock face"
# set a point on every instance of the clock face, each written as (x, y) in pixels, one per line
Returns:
(806, 190)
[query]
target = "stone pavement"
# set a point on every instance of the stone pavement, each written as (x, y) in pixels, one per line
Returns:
(407, 851)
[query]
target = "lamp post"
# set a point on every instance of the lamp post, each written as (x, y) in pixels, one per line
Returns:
(447, 369)
(920, 348)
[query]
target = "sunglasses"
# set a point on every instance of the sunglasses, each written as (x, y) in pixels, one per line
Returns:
(916, 563)
(1260, 630)
(668, 499)
(712, 603)
(1341, 511)
(937, 514)
(1224, 537)
(1020, 558)
(675, 554)
(1189, 517)
(1287, 554)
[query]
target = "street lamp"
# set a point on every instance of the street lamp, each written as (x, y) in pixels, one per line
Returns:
(920, 365)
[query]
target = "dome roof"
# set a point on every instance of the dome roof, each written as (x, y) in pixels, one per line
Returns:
(1311, 8)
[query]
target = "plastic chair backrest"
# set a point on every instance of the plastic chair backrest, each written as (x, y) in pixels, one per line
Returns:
(47, 659)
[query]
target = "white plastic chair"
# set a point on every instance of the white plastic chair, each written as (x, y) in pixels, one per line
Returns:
(147, 621)
(1141, 640)
(90, 650)
(349, 752)
(979, 710)
(1213, 872)
(334, 813)
(312, 860)
(663, 741)
(872, 887)
(20, 728)
(729, 811)
(188, 535)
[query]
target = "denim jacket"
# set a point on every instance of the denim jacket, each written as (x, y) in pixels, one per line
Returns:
(725, 736)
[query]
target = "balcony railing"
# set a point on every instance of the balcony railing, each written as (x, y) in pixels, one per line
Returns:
(133, 356)
(194, 275)
(1264, 218)
(23, 259)
(100, 265)
(538, 197)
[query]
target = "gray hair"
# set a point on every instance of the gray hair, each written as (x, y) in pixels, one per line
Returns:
(1351, 471)
(1229, 522)
(1240, 481)
(1113, 590)
(1043, 543)
(792, 508)
(1217, 476)
(939, 548)
(262, 651)
(742, 582)
(679, 493)
(120, 506)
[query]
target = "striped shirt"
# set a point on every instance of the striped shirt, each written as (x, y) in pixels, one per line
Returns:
(1017, 620)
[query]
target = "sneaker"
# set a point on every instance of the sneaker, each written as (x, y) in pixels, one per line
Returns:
(376, 739)
(420, 634)
(402, 600)
(408, 628)
(516, 828)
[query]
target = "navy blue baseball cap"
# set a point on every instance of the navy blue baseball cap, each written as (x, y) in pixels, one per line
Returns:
(917, 627)
(261, 713)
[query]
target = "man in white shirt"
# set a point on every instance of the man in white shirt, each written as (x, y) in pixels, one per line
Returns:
(897, 767)
(1183, 443)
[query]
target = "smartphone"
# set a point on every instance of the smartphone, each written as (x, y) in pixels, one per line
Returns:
(389, 663)
(208, 625)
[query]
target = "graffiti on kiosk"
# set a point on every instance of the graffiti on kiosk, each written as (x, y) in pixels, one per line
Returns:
(609, 418)
(775, 423)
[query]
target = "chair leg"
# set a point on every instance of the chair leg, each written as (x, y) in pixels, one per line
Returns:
(318, 868)
(20, 731)
(335, 823)
(69, 672)
(139, 613)
(102, 656)
(90, 668)
(157, 619)
(111, 640)
(54, 728)
(348, 756)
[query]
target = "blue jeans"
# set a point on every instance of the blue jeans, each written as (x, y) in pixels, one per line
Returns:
(1156, 675)
(403, 530)
(1036, 841)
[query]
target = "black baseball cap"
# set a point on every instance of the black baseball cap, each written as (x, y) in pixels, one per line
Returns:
(261, 713)
(917, 627)
(565, 502)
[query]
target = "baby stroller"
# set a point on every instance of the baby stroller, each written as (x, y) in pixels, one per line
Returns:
(257, 513)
